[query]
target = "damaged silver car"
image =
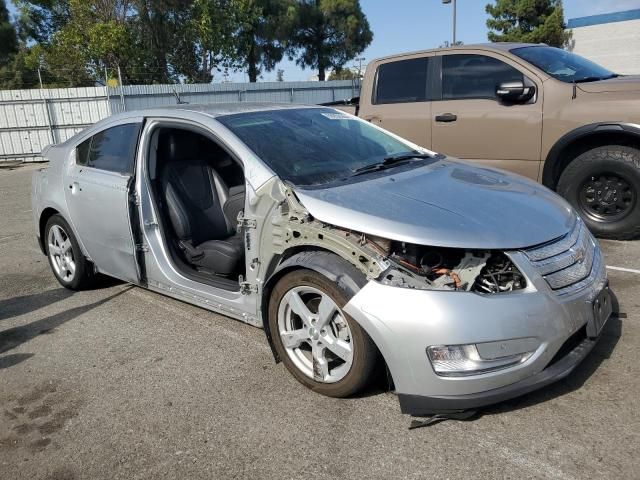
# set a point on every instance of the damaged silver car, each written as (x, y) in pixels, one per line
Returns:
(356, 250)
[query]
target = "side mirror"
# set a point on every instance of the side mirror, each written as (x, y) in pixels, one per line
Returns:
(515, 92)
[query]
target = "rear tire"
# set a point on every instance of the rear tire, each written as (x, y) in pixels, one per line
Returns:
(603, 185)
(308, 347)
(68, 264)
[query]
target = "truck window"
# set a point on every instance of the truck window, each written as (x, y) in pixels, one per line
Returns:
(404, 81)
(474, 76)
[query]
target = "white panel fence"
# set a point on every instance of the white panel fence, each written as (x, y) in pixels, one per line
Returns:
(33, 119)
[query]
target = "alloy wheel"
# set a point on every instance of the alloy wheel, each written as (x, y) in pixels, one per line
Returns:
(315, 334)
(61, 253)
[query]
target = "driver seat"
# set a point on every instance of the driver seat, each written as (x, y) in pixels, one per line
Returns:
(201, 209)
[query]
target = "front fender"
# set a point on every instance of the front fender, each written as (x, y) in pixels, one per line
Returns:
(331, 266)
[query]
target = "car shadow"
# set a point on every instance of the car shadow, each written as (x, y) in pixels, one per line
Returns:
(16, 306)
(609, 338)
(16, 336)
(13, 359)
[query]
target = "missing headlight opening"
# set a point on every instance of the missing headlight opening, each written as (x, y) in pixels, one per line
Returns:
(481, 271)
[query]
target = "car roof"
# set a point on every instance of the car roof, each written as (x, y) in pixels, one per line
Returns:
(212, 110)
(186, 110)
(220, 109)
(497, 46)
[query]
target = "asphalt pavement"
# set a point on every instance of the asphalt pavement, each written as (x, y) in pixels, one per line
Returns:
(119, 382)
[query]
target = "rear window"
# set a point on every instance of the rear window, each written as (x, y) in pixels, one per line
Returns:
(474, 76)
(402, 82)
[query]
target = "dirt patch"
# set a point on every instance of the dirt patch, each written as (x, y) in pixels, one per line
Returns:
(37, 416)
(41, 411)
(37, 394)
(62, 474)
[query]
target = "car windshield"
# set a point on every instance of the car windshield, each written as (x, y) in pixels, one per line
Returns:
(313, 146)
(562, 65)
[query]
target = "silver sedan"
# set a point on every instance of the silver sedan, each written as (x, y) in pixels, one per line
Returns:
(356, 250)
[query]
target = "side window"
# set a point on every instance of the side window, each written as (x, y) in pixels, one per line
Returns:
(82, 152)
(112, 149)
(474, 76)
(404, 81)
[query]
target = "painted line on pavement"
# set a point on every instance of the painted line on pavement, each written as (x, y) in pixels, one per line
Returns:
(622, 269)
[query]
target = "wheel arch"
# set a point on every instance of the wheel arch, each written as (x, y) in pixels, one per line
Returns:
(45, 215)
(583, 139)
(322, 261)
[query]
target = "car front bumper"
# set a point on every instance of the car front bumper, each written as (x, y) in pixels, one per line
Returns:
(404, 322)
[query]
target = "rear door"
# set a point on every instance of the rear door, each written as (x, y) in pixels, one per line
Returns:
(400, 99)
(97, 190)
(469, 122)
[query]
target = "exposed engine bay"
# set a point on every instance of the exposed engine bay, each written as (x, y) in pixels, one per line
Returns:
(481, 271)
(396, 263)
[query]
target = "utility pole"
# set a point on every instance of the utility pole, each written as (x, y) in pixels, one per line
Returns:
(360, 60)
(46, 109)
(122, 102)
(446, 2)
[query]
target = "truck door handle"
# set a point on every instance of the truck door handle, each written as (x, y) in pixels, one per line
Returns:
(372, 118)
(446, 118)
(75, 188)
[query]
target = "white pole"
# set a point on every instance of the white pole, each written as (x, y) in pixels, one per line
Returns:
(124, 105)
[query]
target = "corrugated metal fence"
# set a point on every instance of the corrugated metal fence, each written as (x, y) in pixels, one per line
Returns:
(32, 119)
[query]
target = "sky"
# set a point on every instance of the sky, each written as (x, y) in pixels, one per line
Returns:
(406, 25)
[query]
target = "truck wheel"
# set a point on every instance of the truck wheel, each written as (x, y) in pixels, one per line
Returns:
(321, 346)
(69, 265)
(603, 185)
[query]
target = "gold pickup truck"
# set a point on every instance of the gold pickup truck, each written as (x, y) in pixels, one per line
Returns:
(539, 111)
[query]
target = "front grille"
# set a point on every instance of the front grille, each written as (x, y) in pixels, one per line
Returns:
(568, 263)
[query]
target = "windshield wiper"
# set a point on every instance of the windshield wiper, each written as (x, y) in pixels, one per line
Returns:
(593, 79)
(389, 161)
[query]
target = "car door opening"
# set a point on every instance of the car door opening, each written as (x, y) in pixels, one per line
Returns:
(199, 191)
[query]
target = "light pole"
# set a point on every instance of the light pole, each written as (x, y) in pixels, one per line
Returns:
(446, 2)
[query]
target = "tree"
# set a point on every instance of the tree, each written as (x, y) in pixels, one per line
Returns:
(531, 21)
(96, 36)
(280, 75)
(328, 33)
(212, 25)
(343, 74)
(8, 35)
(261, 34)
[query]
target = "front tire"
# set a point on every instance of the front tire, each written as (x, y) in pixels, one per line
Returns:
(321, 346)
(603, 185)
(68, 264)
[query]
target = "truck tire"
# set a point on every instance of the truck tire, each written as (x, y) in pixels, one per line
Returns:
(603, 185)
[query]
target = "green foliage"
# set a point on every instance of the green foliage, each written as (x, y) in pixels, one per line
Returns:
(343, 74)
(531, 21)
(8, 36)
(328, 33)
(80, 42)
(262, 29)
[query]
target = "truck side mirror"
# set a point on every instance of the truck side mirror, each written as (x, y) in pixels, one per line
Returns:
(515, 92)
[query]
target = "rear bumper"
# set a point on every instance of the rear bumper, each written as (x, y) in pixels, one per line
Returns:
(423, 405)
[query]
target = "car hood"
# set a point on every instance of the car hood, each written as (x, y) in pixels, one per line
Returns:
(446, 203)
(624, 83)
